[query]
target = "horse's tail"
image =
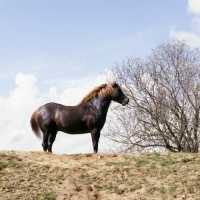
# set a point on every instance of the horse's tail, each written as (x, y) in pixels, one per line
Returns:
(34, 125)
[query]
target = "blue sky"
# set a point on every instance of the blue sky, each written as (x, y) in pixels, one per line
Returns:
(58, 51)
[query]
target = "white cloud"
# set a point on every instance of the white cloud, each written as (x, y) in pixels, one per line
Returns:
(191, 38)
(50, 96)
(16, 110)
(77, 94)
(194, 6)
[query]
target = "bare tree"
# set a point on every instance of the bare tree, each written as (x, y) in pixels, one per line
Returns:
(164, 92)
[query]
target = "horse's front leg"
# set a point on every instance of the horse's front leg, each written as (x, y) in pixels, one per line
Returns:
(95, 133)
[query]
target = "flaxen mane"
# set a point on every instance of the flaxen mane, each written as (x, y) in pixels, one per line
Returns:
(104, 90)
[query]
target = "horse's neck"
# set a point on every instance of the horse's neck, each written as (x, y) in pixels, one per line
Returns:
(101, 104)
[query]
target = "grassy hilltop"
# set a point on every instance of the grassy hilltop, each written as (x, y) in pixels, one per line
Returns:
(39, 175)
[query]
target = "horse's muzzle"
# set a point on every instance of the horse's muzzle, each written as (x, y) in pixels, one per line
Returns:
(125, 101)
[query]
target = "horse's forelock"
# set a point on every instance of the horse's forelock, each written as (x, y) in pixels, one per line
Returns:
(107, 91)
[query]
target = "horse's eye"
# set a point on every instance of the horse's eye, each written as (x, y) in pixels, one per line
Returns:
(119, 91)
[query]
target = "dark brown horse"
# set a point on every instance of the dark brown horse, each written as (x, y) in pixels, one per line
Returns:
(88, 116)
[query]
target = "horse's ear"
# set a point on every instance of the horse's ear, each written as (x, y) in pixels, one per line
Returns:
(114, 84)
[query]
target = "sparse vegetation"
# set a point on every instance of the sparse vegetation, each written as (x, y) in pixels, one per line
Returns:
(42, 176)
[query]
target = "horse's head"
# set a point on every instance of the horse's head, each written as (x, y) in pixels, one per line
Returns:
(117, 94)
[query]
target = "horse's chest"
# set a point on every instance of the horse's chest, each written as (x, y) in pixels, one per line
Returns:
(96, 121)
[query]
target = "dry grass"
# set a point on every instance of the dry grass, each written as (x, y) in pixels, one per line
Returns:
(44, 176)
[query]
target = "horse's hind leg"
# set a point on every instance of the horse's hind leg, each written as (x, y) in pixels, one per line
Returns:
(49, 130)
(45, 141)
(51, 139)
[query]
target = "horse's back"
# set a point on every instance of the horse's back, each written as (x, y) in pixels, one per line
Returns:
(50, 110)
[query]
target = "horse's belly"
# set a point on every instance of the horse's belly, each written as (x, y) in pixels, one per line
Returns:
(75, 129)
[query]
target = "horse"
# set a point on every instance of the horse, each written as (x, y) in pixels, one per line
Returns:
(88, 116)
